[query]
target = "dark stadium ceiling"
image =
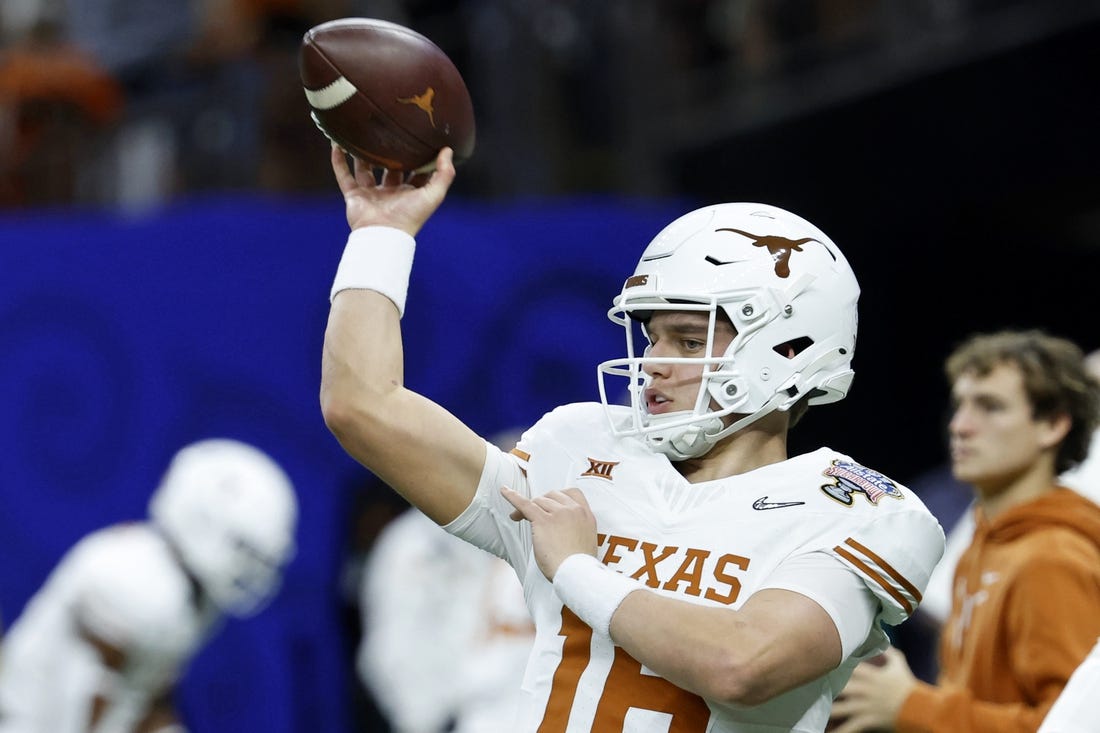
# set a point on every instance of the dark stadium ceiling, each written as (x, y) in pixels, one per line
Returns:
(888, 45)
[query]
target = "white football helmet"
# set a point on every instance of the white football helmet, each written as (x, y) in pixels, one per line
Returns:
(231, 513)
(785, 287)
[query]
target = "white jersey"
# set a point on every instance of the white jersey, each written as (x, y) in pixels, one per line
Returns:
(446, 631)
(786, 525)
(121, 585)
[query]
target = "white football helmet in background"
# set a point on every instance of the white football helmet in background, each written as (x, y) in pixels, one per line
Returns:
(784, 286)
(231, 513)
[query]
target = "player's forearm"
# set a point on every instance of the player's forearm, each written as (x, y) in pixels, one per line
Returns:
(744, 657)
(363, 358)
(688, 645)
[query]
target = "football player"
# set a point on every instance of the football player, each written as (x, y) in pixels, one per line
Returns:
(683, 572)
(100, 647)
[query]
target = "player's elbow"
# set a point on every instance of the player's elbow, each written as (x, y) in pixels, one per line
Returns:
(749, 694)
(742, 681)
(337, 412)
(735, 689)
(346, 413)
(361, 418)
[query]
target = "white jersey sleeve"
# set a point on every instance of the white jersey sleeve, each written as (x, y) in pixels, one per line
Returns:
(486, 523)
(842, 595)
(894, 554)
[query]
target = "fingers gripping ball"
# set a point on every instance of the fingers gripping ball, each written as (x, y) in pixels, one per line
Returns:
(385, 93)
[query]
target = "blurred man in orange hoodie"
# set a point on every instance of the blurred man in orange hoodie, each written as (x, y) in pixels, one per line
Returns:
(1027, 589)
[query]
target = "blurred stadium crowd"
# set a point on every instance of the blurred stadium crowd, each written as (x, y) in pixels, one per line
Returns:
(121, 102)
(127, 102)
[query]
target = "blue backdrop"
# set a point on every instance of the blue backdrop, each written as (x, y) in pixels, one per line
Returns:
(123, 338)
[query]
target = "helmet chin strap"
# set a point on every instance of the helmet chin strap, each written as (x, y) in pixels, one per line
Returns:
(683, 442)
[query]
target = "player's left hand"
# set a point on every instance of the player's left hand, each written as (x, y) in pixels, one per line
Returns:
(562, 524)
(874, 695)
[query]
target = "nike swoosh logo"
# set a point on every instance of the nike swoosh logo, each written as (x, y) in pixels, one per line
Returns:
(762, 503)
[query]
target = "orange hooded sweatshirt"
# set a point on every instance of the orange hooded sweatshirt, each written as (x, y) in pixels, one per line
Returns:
(1025, 612)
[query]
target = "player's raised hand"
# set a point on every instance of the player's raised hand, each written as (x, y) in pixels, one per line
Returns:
(391, 198)
(562, 524)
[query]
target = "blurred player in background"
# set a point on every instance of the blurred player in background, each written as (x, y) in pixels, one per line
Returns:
(682, 572)
(446, 631)
(1026, 589)
(100, 647)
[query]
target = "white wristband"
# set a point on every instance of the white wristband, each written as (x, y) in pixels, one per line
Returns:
(592, 590)
(376, 258)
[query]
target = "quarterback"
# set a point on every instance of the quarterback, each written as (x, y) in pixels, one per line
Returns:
(100, 647)
(683, 572)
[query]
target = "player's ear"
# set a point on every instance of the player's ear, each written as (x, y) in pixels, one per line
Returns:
(1053, 430)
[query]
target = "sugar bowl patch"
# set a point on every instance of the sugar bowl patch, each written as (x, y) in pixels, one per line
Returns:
(851, 478)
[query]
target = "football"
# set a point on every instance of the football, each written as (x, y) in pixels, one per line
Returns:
(385, 93)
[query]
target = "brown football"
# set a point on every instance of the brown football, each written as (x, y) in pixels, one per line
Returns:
(385, 93)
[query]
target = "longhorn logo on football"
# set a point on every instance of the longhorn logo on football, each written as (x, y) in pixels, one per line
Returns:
(423, 101)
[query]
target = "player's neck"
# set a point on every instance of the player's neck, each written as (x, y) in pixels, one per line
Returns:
(747, 450)
(995, 498)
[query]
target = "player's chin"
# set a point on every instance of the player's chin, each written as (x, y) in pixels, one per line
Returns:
(966, 469)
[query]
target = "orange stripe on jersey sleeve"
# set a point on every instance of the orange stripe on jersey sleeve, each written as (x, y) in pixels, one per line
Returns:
(901, 579)
(522, 455)
(874, 575)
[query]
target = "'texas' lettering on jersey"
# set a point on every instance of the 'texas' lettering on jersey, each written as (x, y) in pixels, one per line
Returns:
(693, 572)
